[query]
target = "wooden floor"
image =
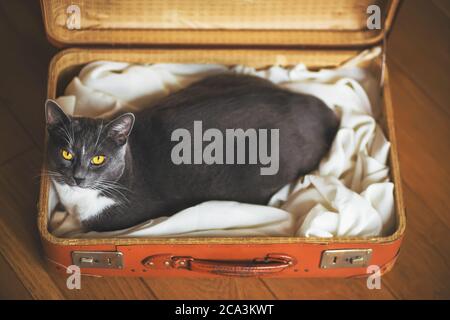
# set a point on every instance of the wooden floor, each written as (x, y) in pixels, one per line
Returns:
(418, 58)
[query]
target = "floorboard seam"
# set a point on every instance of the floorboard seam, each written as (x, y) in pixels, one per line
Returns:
(268, 288)
(419, 86)
(17, 275)
(24, 128)
(149, 288)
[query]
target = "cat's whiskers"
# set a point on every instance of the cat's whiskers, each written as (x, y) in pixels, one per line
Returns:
(108, 193)
(110, 188)
(66, 140)
(50, 174)
(71, 129)
(114, 184)
(69, 138)
(99, 134)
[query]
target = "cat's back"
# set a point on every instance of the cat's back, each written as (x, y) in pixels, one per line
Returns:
(305, 124)
(235, 100)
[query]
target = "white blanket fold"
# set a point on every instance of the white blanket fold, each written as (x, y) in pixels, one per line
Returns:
(348, 195)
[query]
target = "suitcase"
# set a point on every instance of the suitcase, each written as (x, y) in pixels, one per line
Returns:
(318, 33)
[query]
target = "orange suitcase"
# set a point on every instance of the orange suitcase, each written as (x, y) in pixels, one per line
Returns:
(318, 33)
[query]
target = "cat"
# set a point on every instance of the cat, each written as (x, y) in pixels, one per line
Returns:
(116, 173)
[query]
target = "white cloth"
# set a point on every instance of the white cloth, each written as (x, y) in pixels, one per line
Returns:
(348, 195)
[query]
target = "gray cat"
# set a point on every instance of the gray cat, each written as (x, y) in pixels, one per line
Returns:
(118, 173)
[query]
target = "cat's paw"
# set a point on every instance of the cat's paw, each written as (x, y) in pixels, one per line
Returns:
(62, 223)
(57, 219)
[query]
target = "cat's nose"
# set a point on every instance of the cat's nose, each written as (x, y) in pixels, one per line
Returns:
(78, 181)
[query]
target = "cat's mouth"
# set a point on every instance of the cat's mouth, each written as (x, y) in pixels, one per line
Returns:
(82, 186)
(73, 183)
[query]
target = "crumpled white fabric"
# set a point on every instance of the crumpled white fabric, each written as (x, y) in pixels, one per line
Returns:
(349, 195)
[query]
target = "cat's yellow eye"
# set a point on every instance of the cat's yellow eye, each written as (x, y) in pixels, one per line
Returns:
(97, 160)
(66, 155)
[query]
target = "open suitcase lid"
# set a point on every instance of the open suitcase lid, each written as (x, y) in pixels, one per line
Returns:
(308, 23)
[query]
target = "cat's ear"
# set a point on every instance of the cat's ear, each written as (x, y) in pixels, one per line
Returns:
(54, 115)
(120, 128)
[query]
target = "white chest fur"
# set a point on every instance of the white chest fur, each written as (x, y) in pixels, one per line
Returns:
(82, 202)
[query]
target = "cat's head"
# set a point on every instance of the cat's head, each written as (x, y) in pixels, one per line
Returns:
(86, 152)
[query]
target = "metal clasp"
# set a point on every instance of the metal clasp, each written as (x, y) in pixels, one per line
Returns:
(345, 258)
(98, 259)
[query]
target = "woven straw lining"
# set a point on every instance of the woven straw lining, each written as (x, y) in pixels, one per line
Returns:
(73, 58)
(237, 22)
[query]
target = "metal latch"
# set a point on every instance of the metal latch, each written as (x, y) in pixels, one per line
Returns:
(345, 258)
(98, 259)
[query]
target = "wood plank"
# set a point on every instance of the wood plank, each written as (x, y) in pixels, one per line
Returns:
(19, 239)
(347, 289)
(444, 6)
(209, 289)
(420, 99)
(11, 288)
(422, 133)
(423, 267)
(26, 260)
(98, 288)
(32, 33)
(13, 138)
(420, 43)
(28, 54)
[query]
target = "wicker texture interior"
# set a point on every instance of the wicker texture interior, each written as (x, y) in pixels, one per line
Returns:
(220, 22)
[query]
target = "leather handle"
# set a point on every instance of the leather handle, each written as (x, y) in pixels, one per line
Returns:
(271, 263)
